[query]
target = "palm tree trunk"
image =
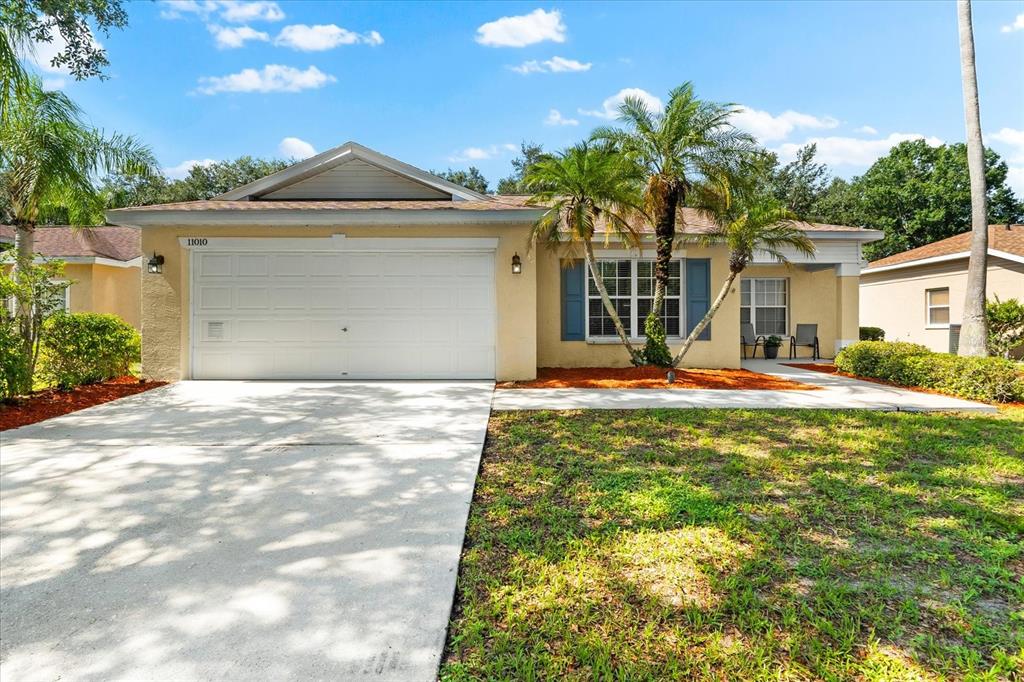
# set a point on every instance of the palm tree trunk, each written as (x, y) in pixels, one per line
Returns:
(588, 252)
(24, 251)
(706, 319)
(974, 330)
(665, 236)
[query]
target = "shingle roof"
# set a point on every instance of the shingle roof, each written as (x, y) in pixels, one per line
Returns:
(59, 241)
(1007, 238)
(690, 219)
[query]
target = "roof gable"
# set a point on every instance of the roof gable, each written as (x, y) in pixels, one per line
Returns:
(1004, 239)
(351, 172)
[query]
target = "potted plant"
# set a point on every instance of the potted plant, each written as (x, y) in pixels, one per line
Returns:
(771, 346)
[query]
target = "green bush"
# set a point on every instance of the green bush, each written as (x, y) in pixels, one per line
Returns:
(872, 334)
(1005, 326)
(656, 349)
(910, 364)
(83, 348)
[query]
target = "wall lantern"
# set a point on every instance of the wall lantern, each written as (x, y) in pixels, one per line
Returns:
(155, 265)
(517, 264)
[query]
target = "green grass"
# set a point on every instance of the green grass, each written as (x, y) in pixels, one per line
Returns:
(744, 545)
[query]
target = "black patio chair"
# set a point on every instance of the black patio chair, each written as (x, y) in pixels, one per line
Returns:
(749, 338)
(806, 335)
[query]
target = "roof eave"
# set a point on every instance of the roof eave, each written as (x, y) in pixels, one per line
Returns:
(301, 217)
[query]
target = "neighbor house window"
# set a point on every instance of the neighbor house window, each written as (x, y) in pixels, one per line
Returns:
(937, 301)
(630, 285)
(764, 303)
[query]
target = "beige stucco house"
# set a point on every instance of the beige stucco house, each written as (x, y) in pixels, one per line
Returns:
(103, 265)
(352, 264)
(917, 295)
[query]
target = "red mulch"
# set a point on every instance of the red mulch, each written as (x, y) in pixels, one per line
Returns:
(654, 377)
(53, 403)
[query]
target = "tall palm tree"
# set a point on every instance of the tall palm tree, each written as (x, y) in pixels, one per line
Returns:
(49, 160)
(689, 149)
(584, 187)
(974, 329)
(744, 226)
(13, 78)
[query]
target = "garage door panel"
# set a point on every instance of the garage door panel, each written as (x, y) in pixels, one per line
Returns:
(281, 315)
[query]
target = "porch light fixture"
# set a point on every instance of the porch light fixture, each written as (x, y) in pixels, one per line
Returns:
(517, 264)
(155, 265)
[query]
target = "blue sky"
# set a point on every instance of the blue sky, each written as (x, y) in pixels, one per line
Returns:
(459, 84)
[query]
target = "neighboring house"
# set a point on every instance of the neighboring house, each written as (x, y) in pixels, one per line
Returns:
(352, 264)
(103, 264)
(917, 294)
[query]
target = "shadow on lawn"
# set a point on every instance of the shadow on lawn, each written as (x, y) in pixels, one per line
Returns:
(853, 541)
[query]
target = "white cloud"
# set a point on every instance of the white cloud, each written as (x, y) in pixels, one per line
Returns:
(228, 37)
(1014, 139)
(323, 37)
(294, 148)
(235, 11)
(181, 170)
(768, 128)
(867, 130)
(553, 65)
(523, 30)
(851, 151)
(482, 153)
(610, 107)
(1017, 25)
(555, 118)
(271, 78)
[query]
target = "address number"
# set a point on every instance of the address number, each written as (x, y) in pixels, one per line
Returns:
(193, 241)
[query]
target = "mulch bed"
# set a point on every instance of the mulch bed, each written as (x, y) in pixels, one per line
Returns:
(654, 377)
(54, 403)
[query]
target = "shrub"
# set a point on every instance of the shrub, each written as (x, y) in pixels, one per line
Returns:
(656, 350)
(872, 334)
(83, 348)
(1005, 325)
(910, 364)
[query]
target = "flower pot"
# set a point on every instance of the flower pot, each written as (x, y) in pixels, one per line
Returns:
(771, 352)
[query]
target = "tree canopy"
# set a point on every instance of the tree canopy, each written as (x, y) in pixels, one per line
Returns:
(470, 179)
(529, 154)
(916, 194)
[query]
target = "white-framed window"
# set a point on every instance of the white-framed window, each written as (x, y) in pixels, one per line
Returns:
(630, 285)
(64, 304)
(764, 302)
(937, 307)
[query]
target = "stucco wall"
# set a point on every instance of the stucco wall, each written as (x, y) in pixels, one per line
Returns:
(105, 289)
(165, 310)
(80, 291)
(721, 351)
(895, 300)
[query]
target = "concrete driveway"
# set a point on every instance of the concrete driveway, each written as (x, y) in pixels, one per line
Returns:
(238, 530)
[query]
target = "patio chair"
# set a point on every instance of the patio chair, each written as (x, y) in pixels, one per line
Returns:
(806, 335)
(749, 338)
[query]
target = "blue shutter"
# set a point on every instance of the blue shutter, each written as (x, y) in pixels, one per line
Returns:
(573, 300)
(698, 294)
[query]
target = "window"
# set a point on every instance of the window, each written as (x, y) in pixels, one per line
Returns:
(937, 301)
(630, 285)
(765, 304)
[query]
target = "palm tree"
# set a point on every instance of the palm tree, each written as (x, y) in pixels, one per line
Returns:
(974, 329)
(12, 74)
(49, 161)
(689, 149)
(582, 187)
(757, 224)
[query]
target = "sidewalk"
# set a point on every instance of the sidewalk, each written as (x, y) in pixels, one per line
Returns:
(836, 393)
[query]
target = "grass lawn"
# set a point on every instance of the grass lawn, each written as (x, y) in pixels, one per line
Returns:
(744, 545)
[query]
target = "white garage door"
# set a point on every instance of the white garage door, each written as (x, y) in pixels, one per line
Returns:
(342, 315)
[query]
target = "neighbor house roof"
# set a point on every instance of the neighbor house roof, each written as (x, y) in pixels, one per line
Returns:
(1006, 241)
(61, 241)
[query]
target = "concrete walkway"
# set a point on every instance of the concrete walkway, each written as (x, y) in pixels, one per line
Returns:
(836, 393)
(239, 531)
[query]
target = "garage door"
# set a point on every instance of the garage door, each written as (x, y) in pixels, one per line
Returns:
(343, 315)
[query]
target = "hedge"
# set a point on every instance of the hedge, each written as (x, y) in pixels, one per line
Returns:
(910, 364)
(84, 348)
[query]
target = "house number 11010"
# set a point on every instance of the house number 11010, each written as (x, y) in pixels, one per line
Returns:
(193, 241)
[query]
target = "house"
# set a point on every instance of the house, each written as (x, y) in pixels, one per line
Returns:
(352, 264)
(918, 294)
(103, 265)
